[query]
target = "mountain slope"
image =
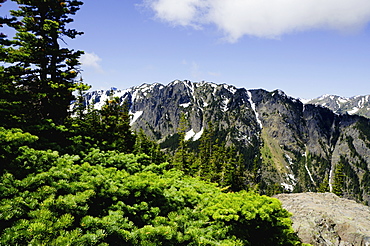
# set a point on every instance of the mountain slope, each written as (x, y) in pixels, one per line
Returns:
(286, 144)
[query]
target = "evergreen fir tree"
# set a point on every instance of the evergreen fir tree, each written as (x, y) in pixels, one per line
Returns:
(40, 74)
(338, 181)
(181, 156)
(204, 152)
(145, 145)
(324, 185)
(115, 124)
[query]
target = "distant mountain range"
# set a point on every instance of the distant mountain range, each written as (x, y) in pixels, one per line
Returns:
(286, 143)
(359, 105)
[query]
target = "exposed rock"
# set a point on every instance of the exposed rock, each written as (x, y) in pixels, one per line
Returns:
(326, 219)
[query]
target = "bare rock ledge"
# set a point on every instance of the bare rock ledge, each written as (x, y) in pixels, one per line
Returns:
(326, 219)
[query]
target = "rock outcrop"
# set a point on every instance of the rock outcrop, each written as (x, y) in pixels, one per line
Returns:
(323, 219)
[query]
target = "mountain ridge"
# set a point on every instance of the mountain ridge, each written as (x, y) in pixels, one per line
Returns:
(359, 105)
(289, 145)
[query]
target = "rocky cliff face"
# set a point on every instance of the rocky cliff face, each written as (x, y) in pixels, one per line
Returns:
(290, 145)
(323, 219)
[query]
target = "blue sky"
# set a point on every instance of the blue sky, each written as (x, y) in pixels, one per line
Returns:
(308, 49)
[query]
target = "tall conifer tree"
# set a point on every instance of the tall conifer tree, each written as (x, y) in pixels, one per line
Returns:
(339, 178)
(39, 70)
(181, 157)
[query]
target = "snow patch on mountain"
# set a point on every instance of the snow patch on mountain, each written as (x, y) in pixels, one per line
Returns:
(290, 161)
(342, 100)
(224, 104)
(309, 173)
(198, 135)
(323, 97)
(175, 82)
(185, 105)
(353, 111)
(135, 96)
(135, 116)
(253, 105)
(189, 134)
(292, 181)
(192, 135)
(101, 100)
(120, 93)
(147, 87)
(287, 187)
(230, 88)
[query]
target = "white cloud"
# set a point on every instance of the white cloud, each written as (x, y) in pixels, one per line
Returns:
(178, 12)
(91, 60)
(264, 18)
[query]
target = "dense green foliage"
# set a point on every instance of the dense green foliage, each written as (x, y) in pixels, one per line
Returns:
(112, 198)
(88, 179)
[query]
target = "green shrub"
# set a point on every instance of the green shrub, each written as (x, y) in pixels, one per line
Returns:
(116, 199)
